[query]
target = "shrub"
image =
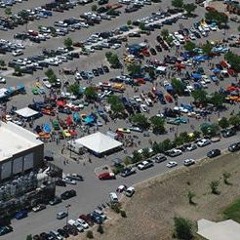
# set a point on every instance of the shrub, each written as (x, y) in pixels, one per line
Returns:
(123, 214)
(183, 228)
(89, 234)
(214, 187)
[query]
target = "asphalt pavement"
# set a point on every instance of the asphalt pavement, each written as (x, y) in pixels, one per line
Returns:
(93, 192)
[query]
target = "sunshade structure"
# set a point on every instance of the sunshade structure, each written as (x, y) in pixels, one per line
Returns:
(27, 113)
(99, 144)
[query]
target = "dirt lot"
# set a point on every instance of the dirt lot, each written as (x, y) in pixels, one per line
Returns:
(151, 210)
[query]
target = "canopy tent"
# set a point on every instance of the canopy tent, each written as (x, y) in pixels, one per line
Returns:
(98, 143)
(27, 112)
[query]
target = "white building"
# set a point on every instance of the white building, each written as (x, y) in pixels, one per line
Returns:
(20, 150)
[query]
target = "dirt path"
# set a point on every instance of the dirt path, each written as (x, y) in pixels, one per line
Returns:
(151, 210)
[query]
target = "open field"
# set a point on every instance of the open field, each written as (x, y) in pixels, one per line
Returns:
(150, 212)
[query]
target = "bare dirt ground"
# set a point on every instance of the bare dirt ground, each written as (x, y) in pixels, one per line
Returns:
(151, 210)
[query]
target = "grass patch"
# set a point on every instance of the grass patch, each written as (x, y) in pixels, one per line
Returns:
(233, 211)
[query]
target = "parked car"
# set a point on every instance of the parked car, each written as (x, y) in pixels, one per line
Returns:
(188, 162)
(106, 176)
(171, 164)
(160, 158)
(130, 191)
(68, 194)
(203, 142)
(173, 152)
(113, 197)
(61, 215)
(128, 171)
(39, 208)
(21, 214)
(214, 153)
(234, 147)
(55, 201)
(145, 164)
(228, 132)
(5, 229)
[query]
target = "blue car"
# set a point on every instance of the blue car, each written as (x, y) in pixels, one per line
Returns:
(21, 214)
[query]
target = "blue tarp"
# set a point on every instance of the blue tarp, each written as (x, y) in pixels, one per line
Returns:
(47, 128)
(196, 75)
(216, 70)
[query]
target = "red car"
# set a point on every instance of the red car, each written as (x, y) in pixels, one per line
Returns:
(106, 176)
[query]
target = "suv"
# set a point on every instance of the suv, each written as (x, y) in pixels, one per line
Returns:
(128, 171)
(113, 197)
(145, 164)
(188, 162)
(160, 158)
(214, 153)
(61, 215)
(68, 194)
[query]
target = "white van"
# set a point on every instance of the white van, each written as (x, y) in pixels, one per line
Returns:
(113, 197)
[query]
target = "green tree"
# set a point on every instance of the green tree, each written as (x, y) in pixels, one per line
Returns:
(219, 17)
(68, 42)
(123, 214)
(145, 153)
(8, 11)
(189, 46)
(223, 123)
(94, 8)
(142, 26)
(183, 228)
(140, 120)
(233, 59)
(129, 22)
(210, 129)
(190, 197)
(200, 96)
(90, 93)
(178, 141)
(214, 187)
(234, 120)
(100, 229)
(178, 86)
(134, 68)
(156, 147)
(165, 33)
(136, 157)
(74, 89)
(17, 71)
(29, 237)
(166, 144)
(89, 234)
(189, 8)
(207, 48)
(2, 64)
(158, 124)
(217, 99)
(51, 75)
(116, 104)
(185, 137)
(113, 59)
(177, 3)
(226, 176)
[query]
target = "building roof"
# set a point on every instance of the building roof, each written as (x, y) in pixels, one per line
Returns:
(98, 142)
(224, 230)
(15, 139)
(26, 112)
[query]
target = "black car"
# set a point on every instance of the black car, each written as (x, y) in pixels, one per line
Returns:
(153, 51)
(127, 172)
(64, 110)
(95, 72)
(63, 233)
(100, 71)
(5, 229)
(234, 147)
(68, 194)
(55, 201)
(49, 158)
(214, 153)
(105, 69)
(158, 48)
(60, 182)
(83, 75)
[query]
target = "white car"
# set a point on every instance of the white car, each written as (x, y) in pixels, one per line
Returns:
(121, 188)
(188, 162)
(203, 142)
(83, 223)
(143, 107)
(46, 83)
(130, 191)
(76, 224)
(172, 164)
(2, 80)
(17, 52)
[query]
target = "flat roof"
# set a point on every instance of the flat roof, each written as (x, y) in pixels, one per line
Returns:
(26, 112)
(15, 139)
(225, 230)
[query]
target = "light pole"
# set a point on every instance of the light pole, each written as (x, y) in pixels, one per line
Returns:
(67, 207)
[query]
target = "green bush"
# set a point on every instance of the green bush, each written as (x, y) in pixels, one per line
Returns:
(89, 234)
(123, 214)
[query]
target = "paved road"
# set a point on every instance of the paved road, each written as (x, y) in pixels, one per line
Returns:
(92, 192)
(95, 192)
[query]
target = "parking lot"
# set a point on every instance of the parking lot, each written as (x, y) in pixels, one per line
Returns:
(91, 68)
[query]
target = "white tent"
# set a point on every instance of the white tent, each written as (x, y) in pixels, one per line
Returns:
(26, 112)
(98, 143)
